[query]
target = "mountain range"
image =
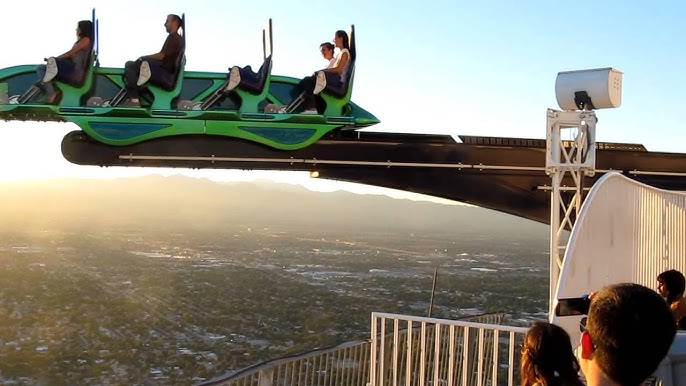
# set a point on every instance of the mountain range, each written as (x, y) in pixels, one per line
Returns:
(180, 201)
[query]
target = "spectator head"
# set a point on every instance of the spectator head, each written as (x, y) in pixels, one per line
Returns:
(671, 285)
(547, 357)
(628, 332)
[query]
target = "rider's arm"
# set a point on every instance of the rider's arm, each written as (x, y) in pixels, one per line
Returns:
(83, 43)
(341, 64)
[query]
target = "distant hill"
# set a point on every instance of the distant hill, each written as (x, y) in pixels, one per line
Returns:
(200, 203)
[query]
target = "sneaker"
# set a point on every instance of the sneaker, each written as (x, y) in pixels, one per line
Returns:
(96, 101)
(234, 79)
(320, 84)
(271, 108)
(130, 103)
(50, 70)
(144, 74)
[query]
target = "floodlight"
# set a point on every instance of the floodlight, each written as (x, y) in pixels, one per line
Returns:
(599, 88)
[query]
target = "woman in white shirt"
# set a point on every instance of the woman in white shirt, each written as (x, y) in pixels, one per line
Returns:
(340, 67)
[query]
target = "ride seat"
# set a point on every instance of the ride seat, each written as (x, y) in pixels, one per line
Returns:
(340, 90)
(73, 93)
(254, 82)
(165, 93)
(254, 87)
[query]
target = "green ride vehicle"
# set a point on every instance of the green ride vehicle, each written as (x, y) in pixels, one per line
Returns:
(198, 103)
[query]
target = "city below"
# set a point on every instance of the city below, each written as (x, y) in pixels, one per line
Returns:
(135, 297)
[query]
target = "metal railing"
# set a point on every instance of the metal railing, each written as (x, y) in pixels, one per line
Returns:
(626, 232)
(345, 364)
(410, 351)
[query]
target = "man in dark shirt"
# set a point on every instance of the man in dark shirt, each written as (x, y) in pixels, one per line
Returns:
(160, 68)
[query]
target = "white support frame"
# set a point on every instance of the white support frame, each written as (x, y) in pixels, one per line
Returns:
(570, 151)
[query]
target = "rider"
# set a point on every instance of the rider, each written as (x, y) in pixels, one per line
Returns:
(70, 67)
(159, 68)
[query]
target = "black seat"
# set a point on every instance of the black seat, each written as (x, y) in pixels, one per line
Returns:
(178, 66)
(249, 86)
(253, 82)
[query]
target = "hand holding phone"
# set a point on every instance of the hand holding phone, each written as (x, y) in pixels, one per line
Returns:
(573, 306)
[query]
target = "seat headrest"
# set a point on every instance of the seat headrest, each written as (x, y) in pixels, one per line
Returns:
(351, 43)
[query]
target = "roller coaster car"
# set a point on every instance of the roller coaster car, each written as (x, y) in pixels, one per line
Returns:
(204, 103)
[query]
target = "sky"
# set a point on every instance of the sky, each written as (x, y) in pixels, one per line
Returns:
(443, 67)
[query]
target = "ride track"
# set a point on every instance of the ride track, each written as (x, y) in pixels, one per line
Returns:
(504, 174)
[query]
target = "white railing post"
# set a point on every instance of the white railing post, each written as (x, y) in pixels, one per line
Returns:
(373, 357)
(463, 353)
(265, 377)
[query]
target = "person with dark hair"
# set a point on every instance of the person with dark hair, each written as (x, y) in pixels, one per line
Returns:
(339, 72)
(671, 285)
(334, 75)
(160, 68)
(628, 332)
(70, 67)
(326, 49)
(548, 358)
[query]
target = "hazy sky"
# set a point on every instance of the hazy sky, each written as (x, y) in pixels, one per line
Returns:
(449, 67)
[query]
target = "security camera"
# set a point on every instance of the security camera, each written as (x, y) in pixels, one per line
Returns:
(599, 88)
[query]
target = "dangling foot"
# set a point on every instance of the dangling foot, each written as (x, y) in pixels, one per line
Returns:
(52, 98)
(130, 103)
(50, 70)
(320, 84)
(234, 79)
(144, 74)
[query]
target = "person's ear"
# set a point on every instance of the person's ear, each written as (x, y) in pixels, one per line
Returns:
(586, 345)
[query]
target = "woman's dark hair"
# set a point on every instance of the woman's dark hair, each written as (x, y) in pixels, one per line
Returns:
(86, 29)
(548, 358)
(328, 46)
(343, 35)
(674, 283)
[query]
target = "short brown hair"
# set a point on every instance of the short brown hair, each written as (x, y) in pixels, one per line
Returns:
(631, 328)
